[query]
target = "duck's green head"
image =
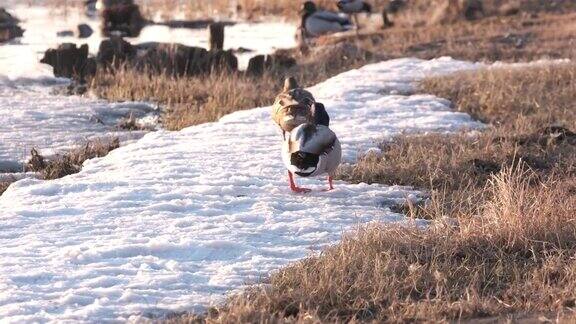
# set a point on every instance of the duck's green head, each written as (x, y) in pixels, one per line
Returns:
(308, 8)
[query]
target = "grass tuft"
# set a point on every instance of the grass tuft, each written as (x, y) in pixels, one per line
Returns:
(4, 184)
(544, 94)
(70, 162)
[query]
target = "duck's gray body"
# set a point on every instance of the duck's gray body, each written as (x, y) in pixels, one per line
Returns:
(311, 150)
(353, 6)
(318, 22)
(325, 22)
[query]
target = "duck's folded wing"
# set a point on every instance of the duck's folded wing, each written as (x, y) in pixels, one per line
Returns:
(320, 141)
(350, 5)
(332, 17)
(321, 117)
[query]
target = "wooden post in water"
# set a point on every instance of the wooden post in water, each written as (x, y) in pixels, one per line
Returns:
(216, 36)
(386, 21)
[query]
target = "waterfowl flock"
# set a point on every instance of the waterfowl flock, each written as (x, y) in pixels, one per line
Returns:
(316, 22)
(310, 148)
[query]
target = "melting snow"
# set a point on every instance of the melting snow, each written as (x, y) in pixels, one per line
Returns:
(177, 220)
(32, 117)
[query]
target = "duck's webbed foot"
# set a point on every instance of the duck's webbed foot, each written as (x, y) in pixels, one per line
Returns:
(293, 186)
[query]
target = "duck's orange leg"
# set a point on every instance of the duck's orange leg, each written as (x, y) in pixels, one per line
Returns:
(293, 186)
(330, 185)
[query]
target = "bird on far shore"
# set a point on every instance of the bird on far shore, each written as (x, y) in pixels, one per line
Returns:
(353, 8)
(319, 22)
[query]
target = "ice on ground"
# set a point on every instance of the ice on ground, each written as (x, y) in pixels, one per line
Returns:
(177, 220)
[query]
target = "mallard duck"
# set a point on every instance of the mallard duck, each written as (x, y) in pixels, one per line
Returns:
(319, 22)
(311, 150)
(354, 7)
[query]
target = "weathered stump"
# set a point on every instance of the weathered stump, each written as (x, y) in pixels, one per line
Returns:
(256, 65)
(386, 20)
(221, 61)
(171, 59)
(279, 60)
(115, 51)
(123, 18)
(9, 28)
(216, 36)
(68, 61)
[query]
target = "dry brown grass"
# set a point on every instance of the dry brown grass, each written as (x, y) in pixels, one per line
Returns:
(189, 101)
(515, 98)
(70, 162)
(501, 203)
(521, 104)
(64, 164)
(522, 37)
